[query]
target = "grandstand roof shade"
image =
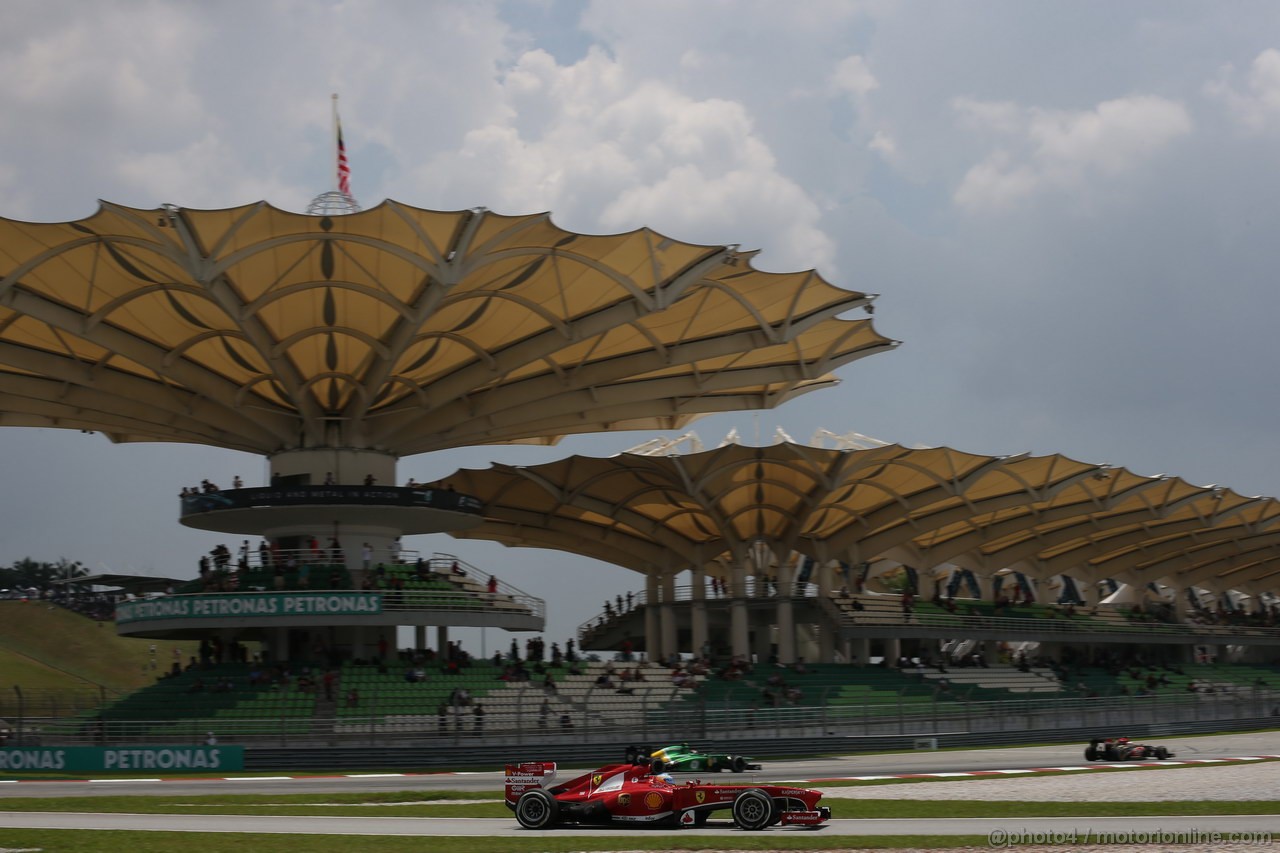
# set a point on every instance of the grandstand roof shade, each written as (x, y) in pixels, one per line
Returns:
(136, 584)
(396, 329)
(1044, 515)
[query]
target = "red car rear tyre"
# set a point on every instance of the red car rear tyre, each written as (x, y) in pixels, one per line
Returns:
(536, 809)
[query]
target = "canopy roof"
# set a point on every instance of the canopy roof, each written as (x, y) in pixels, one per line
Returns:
(396, 328)
(1042, 514)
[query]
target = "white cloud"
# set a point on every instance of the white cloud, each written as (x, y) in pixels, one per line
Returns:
(62, 75)
(606, 150)
(854, 76)
(1055, 150)
(155, 173)
(1258, 107)
(883, 143)
(1003, 117)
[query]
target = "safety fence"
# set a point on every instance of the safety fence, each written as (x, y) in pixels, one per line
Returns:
(659, 716)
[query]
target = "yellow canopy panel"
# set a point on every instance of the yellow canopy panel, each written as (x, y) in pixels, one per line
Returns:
(405, 330)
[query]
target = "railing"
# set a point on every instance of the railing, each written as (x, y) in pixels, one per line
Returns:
(466, 579)
(1063, 627)
(756, 590)
(663, 720)
(458, 601)
(373, 495)
(259, 559)
(889, 614)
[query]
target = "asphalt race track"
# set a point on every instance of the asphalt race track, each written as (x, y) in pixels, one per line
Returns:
(1212, 747)
(880, 764)
(501, 828)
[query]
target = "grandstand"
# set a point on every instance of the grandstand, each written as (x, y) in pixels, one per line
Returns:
(783, 585)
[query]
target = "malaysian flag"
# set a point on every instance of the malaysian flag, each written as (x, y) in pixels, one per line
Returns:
(344, 170)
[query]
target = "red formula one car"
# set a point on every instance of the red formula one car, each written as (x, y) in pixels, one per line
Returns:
(1123, 749)
(631, 795)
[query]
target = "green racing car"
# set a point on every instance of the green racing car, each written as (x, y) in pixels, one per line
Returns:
(682, 758)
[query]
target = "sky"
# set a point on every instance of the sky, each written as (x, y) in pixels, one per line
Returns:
(1067, 208)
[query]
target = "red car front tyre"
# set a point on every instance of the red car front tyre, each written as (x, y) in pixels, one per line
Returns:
(753, 809)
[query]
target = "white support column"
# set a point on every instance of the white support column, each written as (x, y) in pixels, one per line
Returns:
(442, 640)
(419, 638)
(652, 635)
(826, 643)
(785, 613)
(826, 577)
(892, 650)
(861, 651)
(667, 616)
(762, 643)
(738, 633)
(279, 645)
(698, 610)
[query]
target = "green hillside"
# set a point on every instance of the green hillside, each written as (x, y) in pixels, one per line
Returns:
(50, 648)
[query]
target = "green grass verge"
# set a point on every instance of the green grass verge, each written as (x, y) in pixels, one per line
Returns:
(43, 647)
(112, 841)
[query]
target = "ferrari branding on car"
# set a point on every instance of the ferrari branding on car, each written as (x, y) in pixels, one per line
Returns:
(516, 779)
(633, 793)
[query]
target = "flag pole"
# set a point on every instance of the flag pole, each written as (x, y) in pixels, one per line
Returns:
(336, 185)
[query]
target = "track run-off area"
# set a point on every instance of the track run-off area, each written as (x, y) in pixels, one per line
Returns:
(1234, 767)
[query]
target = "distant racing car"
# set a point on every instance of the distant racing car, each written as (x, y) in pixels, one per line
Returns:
(1123, 749)
(633, 795)
(682, 758)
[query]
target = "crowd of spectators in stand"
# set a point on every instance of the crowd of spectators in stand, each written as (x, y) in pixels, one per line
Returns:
(208, 487)
(1264, 618)
(761, 586)
(100, 606)
(1147, 676)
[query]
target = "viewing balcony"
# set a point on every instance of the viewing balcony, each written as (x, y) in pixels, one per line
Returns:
(253, 511)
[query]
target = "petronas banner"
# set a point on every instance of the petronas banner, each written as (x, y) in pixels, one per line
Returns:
(222, 605)
(149, 759)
